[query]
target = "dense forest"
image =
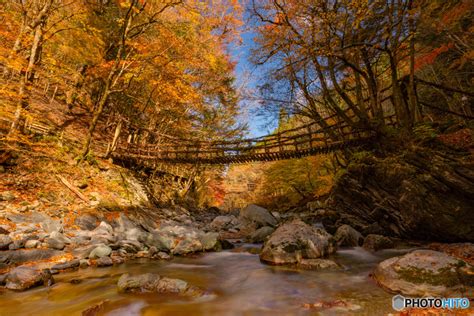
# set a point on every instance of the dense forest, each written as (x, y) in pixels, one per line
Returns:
(127, 145)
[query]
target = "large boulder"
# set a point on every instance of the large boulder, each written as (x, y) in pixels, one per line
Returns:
(375, 242)
(294, 241)
(347, 236)
(259, 215)
(150, 282)
(22, 278)
(426, 273)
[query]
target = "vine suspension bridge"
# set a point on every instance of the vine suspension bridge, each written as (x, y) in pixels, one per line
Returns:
(306, 140)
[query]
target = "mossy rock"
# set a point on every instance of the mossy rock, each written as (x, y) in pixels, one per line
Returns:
(426, 272)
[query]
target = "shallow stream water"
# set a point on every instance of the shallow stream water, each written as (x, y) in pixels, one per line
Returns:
(240, 283)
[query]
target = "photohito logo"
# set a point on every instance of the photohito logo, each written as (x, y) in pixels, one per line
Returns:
(400, 302)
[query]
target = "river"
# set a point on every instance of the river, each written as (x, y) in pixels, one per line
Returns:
(239, 283)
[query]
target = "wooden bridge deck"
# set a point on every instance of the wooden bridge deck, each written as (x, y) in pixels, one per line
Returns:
(306, 140)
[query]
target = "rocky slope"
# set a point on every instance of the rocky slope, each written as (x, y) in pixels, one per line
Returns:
(419, 194)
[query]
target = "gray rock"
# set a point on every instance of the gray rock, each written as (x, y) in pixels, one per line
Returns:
(55, 243)
(187, 245)
(22, 278)
(259, 215)
(50, 225)
(223, 222)
(86, 221)
(14, 257)
(159, 240)
(66, 265)
(426, 273)
(294, 241)
(32, 243)
(104, 228)
(131, 246)
(100, 251)
(348, 236)
(135, 234)
(374, 242)
(261, 234)
(163, 256)
(104, 262)
(83, 252)
(152, 251)
(318, 264)
(5, 241)
(209, 241)
(150, 282)
(60, 236)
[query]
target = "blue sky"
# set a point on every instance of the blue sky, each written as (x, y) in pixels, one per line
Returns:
(248, 76)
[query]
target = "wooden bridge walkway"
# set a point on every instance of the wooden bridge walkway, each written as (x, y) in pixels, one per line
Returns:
(306, 140)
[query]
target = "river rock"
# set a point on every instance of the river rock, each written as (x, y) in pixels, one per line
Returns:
(259, 215)
(22, 278)
(159, 240)
(223, 222)
(187, 245)
(318, 264)
(260, 234)
(210, 241)
(5, 241)
(100, 251)
(348, 236)
(103, 229)
(150, 282)
(32, 244)
(294, 241)
(86, 221)
(374, 242)
(11, 257)
(426, 273)
(66, 265)
(130, 246)
(104, 262)
(50, 225)
(55, 243)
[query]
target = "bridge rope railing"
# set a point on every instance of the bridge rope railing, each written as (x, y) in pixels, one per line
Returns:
(299, 141)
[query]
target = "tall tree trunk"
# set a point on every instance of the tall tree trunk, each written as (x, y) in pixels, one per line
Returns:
(27, 76)
(398, 100)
